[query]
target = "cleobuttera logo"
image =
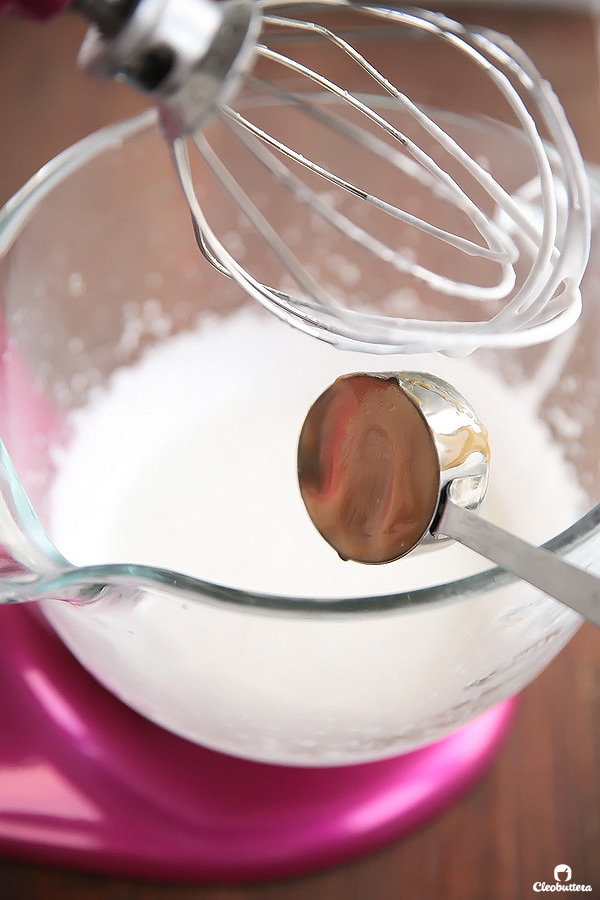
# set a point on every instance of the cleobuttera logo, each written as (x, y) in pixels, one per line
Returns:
(562, 882)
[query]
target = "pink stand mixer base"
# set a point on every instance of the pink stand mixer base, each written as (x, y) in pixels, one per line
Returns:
(87, 783)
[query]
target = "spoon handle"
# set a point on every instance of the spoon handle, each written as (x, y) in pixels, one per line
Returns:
(545, 570)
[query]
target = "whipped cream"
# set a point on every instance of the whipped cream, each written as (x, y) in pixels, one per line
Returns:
(187, 460)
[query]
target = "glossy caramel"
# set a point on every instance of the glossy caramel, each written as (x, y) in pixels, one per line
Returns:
(368, 468)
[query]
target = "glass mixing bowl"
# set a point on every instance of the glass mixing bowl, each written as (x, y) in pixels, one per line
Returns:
(151, 411)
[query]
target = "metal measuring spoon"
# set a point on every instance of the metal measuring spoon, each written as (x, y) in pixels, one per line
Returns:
(389, 461)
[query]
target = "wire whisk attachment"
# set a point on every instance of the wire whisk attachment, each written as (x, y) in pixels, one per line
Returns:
(385, 179)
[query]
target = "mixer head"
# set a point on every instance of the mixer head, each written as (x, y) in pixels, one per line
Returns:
(354, 211)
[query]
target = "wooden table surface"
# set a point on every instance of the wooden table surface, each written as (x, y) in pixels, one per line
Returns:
(540, 804)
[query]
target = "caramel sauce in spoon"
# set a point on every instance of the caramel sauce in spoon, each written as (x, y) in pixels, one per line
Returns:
(368, 469)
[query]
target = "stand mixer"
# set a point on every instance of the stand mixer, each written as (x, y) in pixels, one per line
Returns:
(348, 790)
